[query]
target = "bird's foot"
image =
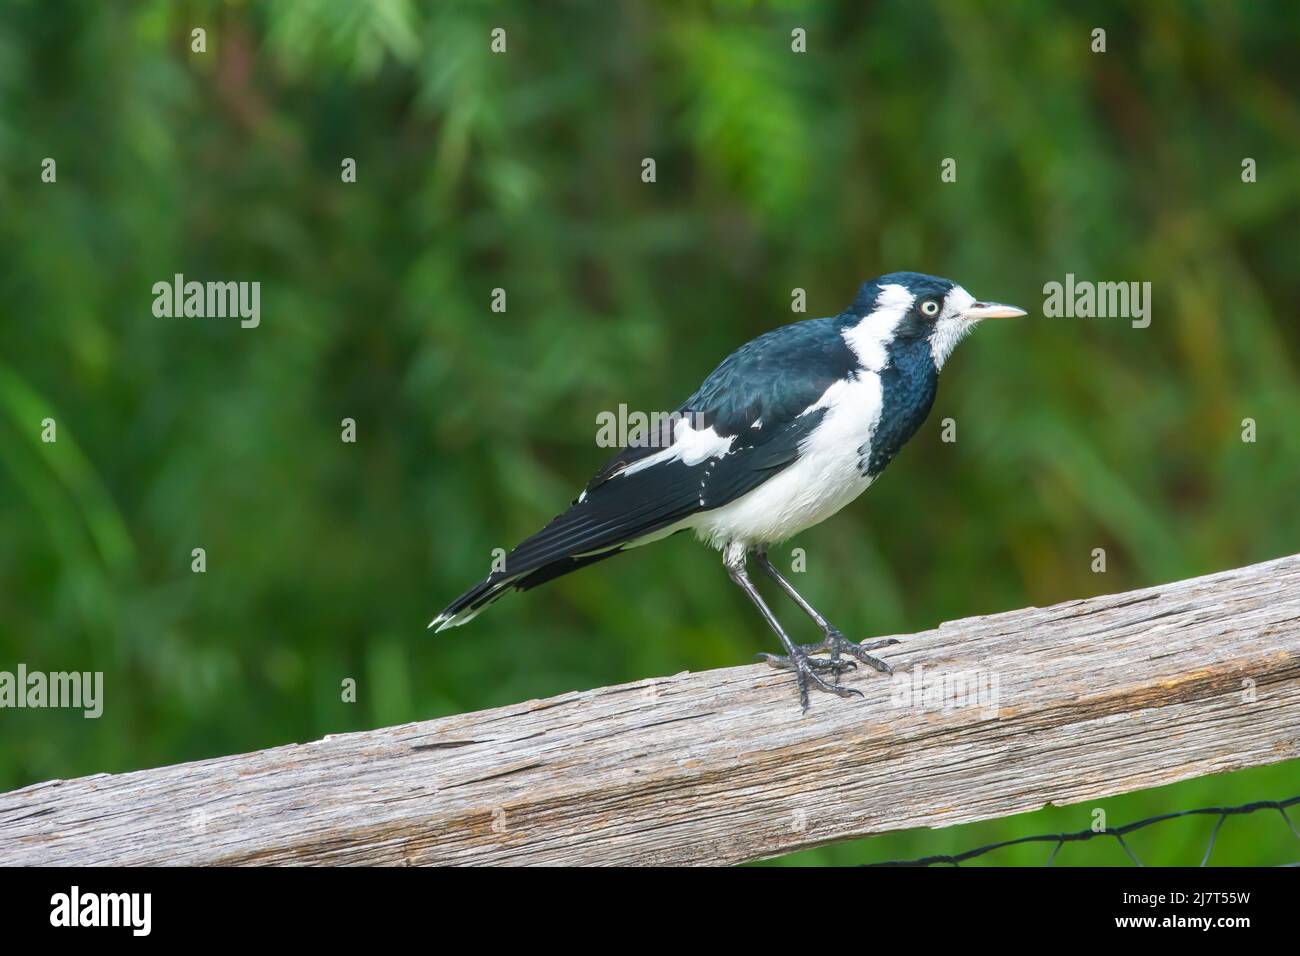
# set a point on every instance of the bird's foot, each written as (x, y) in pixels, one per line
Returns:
(808, 670)
(838, 644)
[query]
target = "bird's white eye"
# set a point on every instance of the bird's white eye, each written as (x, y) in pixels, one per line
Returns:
(930, 308)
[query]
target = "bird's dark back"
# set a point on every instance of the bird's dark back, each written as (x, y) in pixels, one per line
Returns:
(774, 377)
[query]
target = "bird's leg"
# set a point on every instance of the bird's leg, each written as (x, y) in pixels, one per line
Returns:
(832, 640)
(797, 659)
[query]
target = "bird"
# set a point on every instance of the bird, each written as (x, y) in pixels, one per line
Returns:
(785, 432)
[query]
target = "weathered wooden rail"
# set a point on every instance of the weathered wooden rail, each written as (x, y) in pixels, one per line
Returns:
(1092, 698)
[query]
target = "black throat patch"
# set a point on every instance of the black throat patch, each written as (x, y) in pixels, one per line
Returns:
(908, 386)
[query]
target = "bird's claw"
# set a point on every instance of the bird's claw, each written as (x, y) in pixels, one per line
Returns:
(838, 644)
(782, 662)
(807, 671)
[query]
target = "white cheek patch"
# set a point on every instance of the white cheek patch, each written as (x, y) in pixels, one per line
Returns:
(947, 333)
(951, 327)
(957, 301)
(869, 338)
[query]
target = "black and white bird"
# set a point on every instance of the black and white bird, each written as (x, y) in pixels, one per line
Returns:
(789, 429)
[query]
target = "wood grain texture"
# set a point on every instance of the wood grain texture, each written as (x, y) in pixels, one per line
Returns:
(1094, 697)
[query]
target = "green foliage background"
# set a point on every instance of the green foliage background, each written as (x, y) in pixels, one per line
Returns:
(476, 171)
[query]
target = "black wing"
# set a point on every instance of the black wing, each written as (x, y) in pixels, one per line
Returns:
(772, 382)
(772, 379)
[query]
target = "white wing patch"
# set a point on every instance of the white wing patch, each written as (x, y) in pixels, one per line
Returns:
(689, 447)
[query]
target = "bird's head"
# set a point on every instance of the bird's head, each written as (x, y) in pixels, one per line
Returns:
(905, 307)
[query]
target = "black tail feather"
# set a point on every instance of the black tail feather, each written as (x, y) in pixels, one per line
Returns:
(469, 604)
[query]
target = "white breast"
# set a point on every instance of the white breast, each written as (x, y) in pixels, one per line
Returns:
(824, 479)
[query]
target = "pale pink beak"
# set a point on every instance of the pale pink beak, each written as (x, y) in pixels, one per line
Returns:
(992, 310)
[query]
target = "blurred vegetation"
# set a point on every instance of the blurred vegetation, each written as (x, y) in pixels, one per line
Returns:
(522, 171)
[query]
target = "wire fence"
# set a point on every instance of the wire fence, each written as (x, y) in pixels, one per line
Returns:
(1118, 833)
